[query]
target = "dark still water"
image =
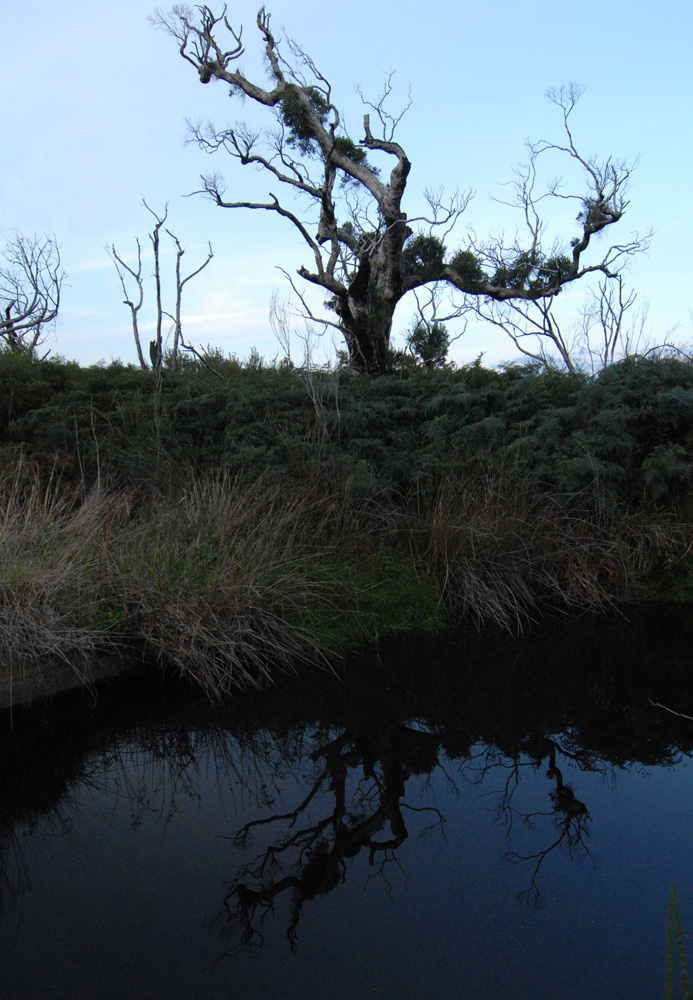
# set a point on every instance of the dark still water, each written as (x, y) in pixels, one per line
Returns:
(486, 819)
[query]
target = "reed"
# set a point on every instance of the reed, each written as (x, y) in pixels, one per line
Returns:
(675, 943)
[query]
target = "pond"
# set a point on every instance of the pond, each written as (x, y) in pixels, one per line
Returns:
(482, 818)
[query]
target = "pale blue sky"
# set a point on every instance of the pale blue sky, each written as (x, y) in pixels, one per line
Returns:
(95, 100)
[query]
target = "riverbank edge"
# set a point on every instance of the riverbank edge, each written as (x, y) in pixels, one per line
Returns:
(41, 682)
(229, 585)
(38, 684)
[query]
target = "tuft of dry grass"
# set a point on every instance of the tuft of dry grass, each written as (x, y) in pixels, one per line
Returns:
(52, 547)
(224, 584)
(500, 549)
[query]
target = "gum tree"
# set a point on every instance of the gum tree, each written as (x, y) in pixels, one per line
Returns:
(366, 254)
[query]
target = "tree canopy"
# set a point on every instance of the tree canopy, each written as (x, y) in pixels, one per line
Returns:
(366, 253)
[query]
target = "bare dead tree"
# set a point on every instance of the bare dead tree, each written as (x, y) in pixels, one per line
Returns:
(31, 279)
(607, 330)
(121, 267)
(180, 284)
(366, 253)
(611, 327)
(156, 352)
(156, 346)
(535, 330)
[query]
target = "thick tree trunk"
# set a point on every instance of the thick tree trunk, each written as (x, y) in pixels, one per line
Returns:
(367, 306)
(366, 322)
(368, 348)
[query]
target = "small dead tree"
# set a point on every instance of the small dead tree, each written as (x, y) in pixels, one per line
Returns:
(156, 352)
(367, 254)
(611, 327)
(156, 346)
(535, 330)
(31, 279)
(178, 341)
(121, 267)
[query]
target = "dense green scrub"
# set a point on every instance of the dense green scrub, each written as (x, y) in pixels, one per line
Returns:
(241, 523)
(629, 429)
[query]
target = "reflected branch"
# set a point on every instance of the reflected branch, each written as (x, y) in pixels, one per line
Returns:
(572, 818)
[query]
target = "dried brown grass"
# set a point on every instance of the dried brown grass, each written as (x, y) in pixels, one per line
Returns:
(53, 546)
(502, 551)
(224, 585)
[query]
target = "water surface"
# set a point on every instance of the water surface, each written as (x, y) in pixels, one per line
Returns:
(485, 819)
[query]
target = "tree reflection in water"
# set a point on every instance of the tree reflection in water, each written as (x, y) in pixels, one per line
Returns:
(308, 856)
(311, 860)
(571, 816)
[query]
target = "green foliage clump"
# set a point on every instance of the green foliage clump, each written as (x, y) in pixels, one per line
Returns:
(294, 117)
(665, 467)
(530, 270)
(551, 270)
(627, 430)
(430, 342)
(347, 147)
(517, 273)
(468, 267)
(423, 256)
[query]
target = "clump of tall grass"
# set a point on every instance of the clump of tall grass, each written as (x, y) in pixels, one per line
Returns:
(223, 582)
(226, 583)
(500, 549)
(52, 549)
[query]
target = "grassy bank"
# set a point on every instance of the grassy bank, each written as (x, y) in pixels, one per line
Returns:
(227, 581)
(227, 525)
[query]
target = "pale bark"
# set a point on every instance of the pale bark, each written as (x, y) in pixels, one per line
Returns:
(178, 341)
(156, 346)
(134, 307)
